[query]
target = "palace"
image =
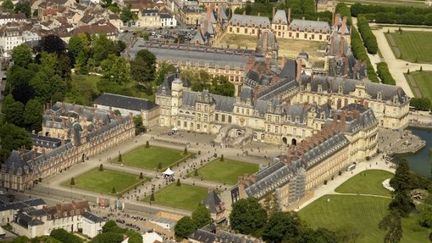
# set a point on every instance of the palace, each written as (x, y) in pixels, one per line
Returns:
(71, 134)
(349, 138)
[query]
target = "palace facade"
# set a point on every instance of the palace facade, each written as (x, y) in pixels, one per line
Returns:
(83, 132)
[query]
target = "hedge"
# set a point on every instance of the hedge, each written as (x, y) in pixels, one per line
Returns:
(423, 104)
(369, 38)
(384, 73)
(360, 54)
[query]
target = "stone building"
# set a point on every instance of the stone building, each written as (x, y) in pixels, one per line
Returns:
(351, 136)
(83, 132)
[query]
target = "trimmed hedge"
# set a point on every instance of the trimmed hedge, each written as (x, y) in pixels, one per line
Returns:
(360, 54)
(369, 38)
(393, 15)
(384, 73)
(423, 104)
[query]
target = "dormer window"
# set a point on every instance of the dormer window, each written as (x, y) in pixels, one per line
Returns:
(379, 95)
(319, 88)
(340, 89)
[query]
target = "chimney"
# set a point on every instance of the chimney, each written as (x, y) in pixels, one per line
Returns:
(274, 11)
(259, 14)
(244, 12)
(299, 69)
(289, 15)
(336, 19)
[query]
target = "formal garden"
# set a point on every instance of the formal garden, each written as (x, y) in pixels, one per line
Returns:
(105, 181)
(359, 207)
(224, 171)
(152, 157)
(179, 195)
(412, 46)
(420, 83)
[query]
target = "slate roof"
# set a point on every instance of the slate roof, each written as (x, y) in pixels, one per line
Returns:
(92, 217)
(309, 25)
(280, 17)
(19, 205)
(25, 220)
(210, 234)
(44, 141)
(223, 103)
(212, 202)
(332, 84)
(124, 102)
(249, 20)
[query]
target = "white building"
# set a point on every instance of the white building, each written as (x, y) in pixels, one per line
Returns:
(12, 35)
(6, 18)
(91, 224)
(168, 20)
(151, 237)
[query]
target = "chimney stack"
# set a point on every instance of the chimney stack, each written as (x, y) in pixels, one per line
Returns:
(289, 15)
(244, 12)
(274, 11)
(259, 14)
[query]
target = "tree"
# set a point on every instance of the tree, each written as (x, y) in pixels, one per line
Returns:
(421, 69)
(23, 7)
(7, 5)
(423, 103)
(163, 70)
(143, 67)
(392, 223)
(109, 237)
(113, 190)
(33, 115)
(425, 215)
(247, 216)
(185, 151)
(402, 203)
(152, 197)
(102, 48)
(402, 180)
(52, 44)
(120, 159)
(147, 145)
(126, 15)
(196, 172)
(12, 138)
(13, 111)
(222, 158)
(281, 225)
(184, 227)
(201, 216)
(101, 168)
(141, 176)
(160, 166)
(64, 236)
(77, 44)
(72, 181)
(22, 55)
(178, 182)
(139, 127)
(115, 70)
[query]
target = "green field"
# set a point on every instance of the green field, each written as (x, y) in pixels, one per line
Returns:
(184, 197)
(359, 214)
(226, 171)
(104, 181)
(416, 3)
(149, 158)
(412, 46)
(367, 182)
(421, 83)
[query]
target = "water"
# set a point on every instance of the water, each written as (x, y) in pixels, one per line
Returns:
(421, 162)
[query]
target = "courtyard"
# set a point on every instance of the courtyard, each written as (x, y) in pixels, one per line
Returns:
(110, 182)
(226, 172)
(357, 208)
(186, 197)
(420, 83)
(152, 158)
(412, 46)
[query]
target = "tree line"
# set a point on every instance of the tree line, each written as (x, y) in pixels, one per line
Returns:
(384, 73)
(369, 38)
(393, 15)
(360, 54)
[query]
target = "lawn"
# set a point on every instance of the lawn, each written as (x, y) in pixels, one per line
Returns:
(412, 46)
(149, 158)
(104, 181)
(184, 197)
(226, 171)
(234, 41)
(360, 214)
(367, 182)
(421, 83)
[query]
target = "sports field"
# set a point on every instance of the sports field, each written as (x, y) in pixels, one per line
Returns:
(149, 158)
(412, 46)
(360, 214)
(367, 182)
(226, 171)
(186, 197)
(104, 181)
(421, 83)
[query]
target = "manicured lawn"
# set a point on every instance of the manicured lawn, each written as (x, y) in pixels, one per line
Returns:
(338, 212)
(104, 181)
(421, 83)
(149, 158)
(226, 171)
(184, 197)
(367, 182)
(412, 45)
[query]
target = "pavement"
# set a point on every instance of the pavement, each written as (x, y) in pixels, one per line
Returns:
(396, 66)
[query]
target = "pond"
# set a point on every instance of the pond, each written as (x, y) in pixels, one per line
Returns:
(421, 162)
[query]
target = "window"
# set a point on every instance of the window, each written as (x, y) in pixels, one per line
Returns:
(229, 119)
(216, 117)
(223, 118)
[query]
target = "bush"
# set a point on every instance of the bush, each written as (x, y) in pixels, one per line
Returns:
(423, 104)
(147, 145)
(64, 236)
(101, 167)
(384, 73)
(369, 38)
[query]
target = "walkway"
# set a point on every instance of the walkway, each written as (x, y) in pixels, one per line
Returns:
(375, 163)
(396, 66)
